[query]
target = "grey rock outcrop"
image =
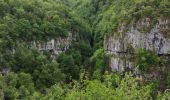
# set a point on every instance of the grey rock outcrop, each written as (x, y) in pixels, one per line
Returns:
(55, 45)
(141, 35)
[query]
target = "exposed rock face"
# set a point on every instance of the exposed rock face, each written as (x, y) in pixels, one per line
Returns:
(141, 36)
(56, 45)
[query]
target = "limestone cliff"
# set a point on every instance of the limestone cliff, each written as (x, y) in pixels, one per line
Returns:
(141, 34)
(55, 45)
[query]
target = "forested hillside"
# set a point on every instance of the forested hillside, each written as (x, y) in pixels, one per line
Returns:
(84, 49)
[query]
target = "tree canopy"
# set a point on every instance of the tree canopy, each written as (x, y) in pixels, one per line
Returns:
(81, 72)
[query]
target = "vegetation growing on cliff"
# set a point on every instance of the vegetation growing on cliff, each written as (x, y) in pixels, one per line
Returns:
(82, 71)
(146, 60)
(105, 16)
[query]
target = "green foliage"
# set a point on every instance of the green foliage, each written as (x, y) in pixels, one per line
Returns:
(128, 88)
(83, 47)
(164, 96)
(146, 60)
(48, 75)
(168, 80)
(98, 60)
(17, 86)
(28, 20)
(68, 66)
(25, 21)
(26, 59)
(36, 76)
(106, 15)
(56, 92)
(111, 80)
(44, 70)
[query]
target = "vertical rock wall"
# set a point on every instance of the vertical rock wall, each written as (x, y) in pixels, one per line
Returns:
(56, 45)
(141, 35)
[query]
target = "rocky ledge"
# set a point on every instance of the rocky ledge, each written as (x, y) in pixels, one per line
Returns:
(140, 35)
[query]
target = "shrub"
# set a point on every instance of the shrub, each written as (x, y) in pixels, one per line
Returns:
(146, 59)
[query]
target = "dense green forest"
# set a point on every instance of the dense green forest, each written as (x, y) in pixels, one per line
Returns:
(82, 72)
